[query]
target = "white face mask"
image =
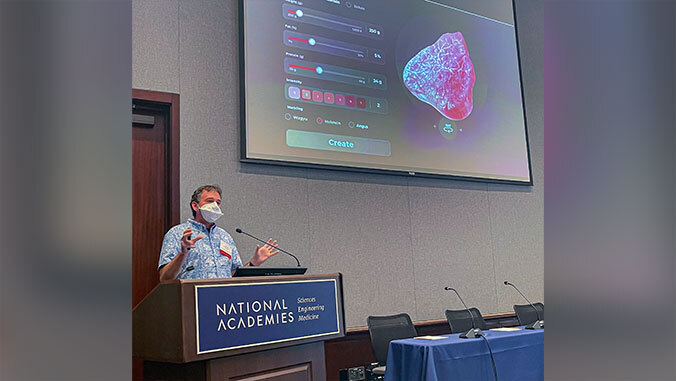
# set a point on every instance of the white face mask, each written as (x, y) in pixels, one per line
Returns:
(211, 212)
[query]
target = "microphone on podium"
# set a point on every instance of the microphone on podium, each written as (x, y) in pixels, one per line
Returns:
(240, 231)
(189, 268)
(540, 323)
(474, 332)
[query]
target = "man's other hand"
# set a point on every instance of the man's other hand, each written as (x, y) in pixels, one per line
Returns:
(263, 253)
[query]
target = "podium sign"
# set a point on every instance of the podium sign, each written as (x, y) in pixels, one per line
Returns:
(230, 316)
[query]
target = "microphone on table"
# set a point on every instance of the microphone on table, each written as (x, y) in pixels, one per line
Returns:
(540, 323)
(474, 332)
(240, 231)
(189, 268)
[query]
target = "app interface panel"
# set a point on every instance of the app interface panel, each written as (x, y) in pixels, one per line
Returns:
(409, 85)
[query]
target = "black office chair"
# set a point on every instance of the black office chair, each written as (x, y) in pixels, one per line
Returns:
(460, 320)
(384, 329)
(526, 314)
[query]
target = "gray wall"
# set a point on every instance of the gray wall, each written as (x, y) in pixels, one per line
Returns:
(397, 240)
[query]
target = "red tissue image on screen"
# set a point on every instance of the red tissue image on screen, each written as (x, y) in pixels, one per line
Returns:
(442, 75)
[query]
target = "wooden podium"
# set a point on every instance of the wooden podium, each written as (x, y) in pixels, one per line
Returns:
(167, 324)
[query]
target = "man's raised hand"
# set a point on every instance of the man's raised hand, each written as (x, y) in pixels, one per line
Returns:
(187, 243)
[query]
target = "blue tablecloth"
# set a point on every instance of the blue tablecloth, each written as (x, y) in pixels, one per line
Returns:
(519, 355)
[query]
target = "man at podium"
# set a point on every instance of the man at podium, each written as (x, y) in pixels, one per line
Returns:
(199, 249)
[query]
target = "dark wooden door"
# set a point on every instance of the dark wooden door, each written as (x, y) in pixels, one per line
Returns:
(155, 187)
(149, 195)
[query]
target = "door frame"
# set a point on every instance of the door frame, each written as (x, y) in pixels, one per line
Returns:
(173, 148)
(173, 160)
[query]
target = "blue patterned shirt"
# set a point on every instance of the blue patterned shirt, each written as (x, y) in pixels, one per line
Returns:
(214, 256)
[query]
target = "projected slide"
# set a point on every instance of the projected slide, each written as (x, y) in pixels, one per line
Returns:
(411, 86)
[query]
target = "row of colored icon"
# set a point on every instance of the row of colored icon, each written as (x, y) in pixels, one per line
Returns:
(326, 97)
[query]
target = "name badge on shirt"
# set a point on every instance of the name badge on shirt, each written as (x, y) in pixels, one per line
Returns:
(226, 249)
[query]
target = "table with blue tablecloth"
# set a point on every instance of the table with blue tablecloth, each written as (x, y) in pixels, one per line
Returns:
(519, 355)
